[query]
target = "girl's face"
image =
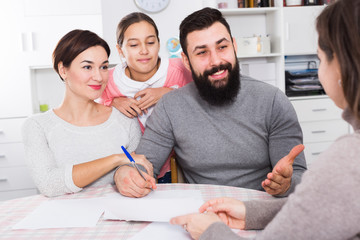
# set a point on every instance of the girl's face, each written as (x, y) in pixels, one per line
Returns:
(87, 75)
(330, 78)
(140, 48)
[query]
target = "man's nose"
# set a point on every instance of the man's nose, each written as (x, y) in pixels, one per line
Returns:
(215, 59)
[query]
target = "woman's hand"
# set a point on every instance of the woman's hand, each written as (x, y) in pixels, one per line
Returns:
(127, 106)
(150, 96)
(231, 211)
(196, 223)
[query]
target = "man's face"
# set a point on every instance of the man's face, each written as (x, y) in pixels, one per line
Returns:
(212, 61)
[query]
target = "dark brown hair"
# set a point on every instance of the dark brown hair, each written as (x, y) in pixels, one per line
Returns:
(130, 19)
(200, 20)
(338, 27)
(74, 43)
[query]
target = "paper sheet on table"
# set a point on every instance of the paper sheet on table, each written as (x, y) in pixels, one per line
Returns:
(158, 206)
(162, 231)
(63, 214)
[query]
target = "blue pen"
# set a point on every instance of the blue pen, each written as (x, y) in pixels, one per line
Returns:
(132, 161)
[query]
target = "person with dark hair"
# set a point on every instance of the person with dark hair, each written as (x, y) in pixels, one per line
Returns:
(79, 143)
(325, 204)
(136, 85)
(224, 131)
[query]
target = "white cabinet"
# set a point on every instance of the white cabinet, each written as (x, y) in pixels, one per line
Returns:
(300, 34)
(15, 179)
(45, 22)
(15, 98)
(321, 123)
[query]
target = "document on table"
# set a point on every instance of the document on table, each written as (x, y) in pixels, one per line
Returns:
(158, 206)
(63, 214)
(162, 231)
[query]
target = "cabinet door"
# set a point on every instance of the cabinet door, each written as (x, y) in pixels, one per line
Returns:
(15, 99)
(300, 30)
(45, 22)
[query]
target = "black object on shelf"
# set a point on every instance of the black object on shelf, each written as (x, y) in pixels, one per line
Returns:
(303, 83)
(311, 2)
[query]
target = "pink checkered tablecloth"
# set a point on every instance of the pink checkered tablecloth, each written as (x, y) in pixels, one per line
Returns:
(12, 211)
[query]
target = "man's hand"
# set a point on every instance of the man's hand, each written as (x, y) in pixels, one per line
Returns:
(130, 183)
(150, 96)
(279, 180)
(127, 106)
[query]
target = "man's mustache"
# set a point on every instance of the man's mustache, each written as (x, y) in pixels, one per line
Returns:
(215, 69)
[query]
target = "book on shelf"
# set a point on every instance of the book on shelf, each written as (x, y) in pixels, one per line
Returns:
(255, 3)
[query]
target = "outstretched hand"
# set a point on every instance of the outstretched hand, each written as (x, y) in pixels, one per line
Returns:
(279, 180)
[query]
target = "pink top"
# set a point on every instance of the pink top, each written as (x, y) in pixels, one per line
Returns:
(177, 76)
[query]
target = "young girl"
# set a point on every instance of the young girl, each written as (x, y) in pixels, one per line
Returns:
(135, 86)
(79, 142)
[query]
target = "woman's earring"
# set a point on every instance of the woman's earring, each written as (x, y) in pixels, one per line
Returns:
(340, 82)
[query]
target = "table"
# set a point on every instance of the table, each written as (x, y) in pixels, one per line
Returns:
(12, 211)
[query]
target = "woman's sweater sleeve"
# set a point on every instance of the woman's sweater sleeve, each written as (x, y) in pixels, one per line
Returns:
(134, 136)
(49, 179)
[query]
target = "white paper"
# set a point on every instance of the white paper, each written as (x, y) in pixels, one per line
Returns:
(63, 214)
(162, 231)
(158, 206)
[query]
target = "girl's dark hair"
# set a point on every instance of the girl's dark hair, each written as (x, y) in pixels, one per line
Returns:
(200, 20)
(130, 19)
(338, 27)
(74, 43)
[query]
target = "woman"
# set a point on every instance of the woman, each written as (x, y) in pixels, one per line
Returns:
(79, 143)
(325, 204)
(136, 85)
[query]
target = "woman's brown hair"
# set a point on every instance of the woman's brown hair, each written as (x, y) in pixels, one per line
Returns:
(338, 27)
(74, 43)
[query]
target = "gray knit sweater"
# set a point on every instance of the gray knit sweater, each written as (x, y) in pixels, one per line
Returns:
(325, 205)
(53, 146)
(234, 145)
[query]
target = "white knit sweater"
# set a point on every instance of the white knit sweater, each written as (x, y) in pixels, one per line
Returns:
(53, 146)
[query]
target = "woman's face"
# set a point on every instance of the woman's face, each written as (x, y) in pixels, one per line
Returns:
(140, 48)
(330, 78)
(88, 74)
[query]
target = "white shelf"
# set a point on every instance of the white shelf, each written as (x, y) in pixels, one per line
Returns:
(249, 11)
(260, 56)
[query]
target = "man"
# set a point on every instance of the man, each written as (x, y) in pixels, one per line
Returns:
(223, 130)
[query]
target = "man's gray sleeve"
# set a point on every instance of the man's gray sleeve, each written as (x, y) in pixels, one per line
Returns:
(285, 133)
(158, 139)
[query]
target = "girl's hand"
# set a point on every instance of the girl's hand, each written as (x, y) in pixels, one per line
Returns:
(127, 106)
(150, 96)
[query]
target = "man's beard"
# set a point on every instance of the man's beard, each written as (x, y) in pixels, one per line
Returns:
(218, 96)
